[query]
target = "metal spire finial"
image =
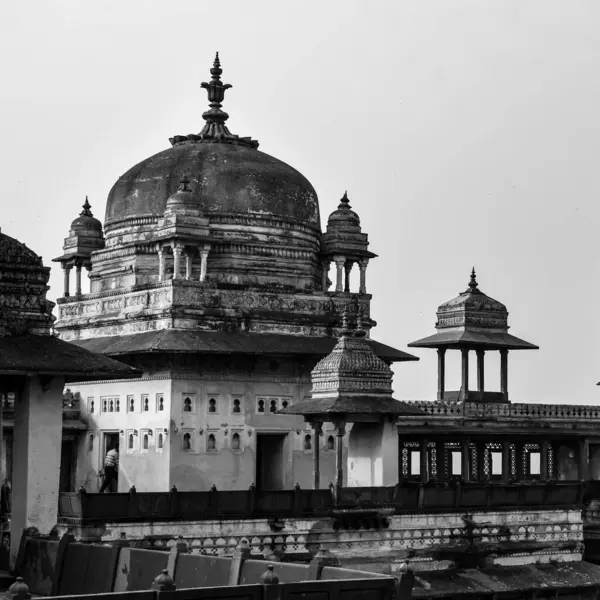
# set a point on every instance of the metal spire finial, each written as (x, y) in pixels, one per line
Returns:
(86, 212)
(473, 283)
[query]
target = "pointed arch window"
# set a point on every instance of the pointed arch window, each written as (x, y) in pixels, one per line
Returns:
(211, 443)
(307, 442)
(187, 441)
(187, 404)
(130, 441)
(235, 441)
(236, 406)
(159, 443)
(212, 406)
(330, 443)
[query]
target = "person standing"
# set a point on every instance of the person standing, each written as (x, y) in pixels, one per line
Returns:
(111, 469)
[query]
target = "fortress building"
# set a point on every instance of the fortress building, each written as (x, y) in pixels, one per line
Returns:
(211, 275)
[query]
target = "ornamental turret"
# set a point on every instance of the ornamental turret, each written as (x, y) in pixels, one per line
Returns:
(473, 321)
(85, 237)
(344, 244)
(184, 233)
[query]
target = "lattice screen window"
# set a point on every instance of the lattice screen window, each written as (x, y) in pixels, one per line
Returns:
(551, 462)
(474, 462)
(407, 458)
(432, 459)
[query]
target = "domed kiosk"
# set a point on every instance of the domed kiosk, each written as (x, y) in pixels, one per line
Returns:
(213, 281)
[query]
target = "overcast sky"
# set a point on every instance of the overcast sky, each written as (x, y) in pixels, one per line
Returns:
(466, 133)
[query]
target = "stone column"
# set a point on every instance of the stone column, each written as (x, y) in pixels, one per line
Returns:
(505, 461)
(317, 428)
(36, 456)
(78, 280)
(584, 450)
(424, 466)
(203, 262)
(326, 266)
(340, 430)
(441, 373)
(176, 262)
(67, 269)
(347, 269)
(161, 264)
(465, 373)
(188, 264)
(544, 461)
(504, 373)
(362, 265)
(339, 265)
(480, 372)
(465, 466)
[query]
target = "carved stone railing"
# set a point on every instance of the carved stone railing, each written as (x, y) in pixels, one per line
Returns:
(83, 508)
(546, 412)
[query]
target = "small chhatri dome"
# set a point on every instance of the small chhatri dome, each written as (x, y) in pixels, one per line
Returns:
(472, 319)
(344, 217)
(86, 219)
(473, 308)
(183, 197)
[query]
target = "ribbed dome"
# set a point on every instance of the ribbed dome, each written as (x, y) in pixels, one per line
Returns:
(226, 178)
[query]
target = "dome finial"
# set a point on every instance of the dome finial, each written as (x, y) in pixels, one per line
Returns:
(184, 184)
(360, 329)
(86, 212)
(216, 93)
(345, 331)
(473, 283)
(344, 202)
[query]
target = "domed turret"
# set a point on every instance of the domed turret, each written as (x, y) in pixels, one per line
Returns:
(86, 220)
(85, 237)
(345, 244)
(473, 321)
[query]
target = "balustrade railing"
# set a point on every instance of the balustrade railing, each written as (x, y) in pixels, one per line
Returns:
(440, 408)
(86, 508)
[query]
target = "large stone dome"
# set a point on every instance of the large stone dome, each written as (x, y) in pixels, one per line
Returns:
(225, 178)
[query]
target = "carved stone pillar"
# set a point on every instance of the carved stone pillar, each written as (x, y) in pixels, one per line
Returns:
(465, 373)
(347, 269)
(465, 466)
(424, 462)
(317, 428)
(203, 263)
(339, 265)
(362, 265)
(67, 269)
(504, 373)
(340, 431)
(161, 264)
(480, 371)
(78, 280)
(441, 373)
(584, 451)
(544, 460)
(505, 461)
(176, 262)
(326, 266)
(188, 264)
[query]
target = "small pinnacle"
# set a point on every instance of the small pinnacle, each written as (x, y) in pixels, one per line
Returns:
(345, 324)
(473, 283)
(184, 184)
(86, 212)
(344, 202)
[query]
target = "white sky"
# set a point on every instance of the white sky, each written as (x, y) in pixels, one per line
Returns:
(466, 133)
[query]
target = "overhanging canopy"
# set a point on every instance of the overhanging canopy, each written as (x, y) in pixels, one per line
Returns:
(222, 342)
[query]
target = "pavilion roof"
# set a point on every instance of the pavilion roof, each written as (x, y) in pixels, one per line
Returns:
(459, 337)
(347, 406)
(48, 355)
(223, 342)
